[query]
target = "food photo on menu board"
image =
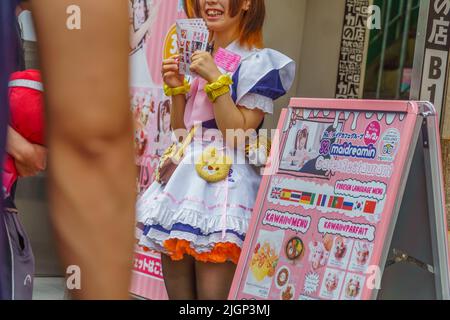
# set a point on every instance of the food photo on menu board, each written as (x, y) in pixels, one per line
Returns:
(321, 211)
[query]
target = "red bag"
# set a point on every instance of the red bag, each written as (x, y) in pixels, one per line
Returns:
(26, 102)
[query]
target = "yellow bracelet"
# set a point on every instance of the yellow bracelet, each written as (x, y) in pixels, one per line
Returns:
(218, 88)
(168, 91)
(213, 95)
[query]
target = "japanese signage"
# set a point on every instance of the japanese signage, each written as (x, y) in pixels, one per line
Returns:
(148, 265)
(322, 218)
(437, 45)
(352, 57)
(147, 280)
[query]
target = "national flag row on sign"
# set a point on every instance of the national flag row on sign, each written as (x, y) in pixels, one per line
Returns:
(324, 201)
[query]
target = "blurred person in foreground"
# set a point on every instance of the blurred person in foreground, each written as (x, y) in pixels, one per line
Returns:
(89, 128)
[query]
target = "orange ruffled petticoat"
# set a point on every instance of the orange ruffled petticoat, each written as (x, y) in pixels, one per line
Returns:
(222, 252)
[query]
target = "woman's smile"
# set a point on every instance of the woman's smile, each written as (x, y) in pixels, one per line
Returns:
(214, 14)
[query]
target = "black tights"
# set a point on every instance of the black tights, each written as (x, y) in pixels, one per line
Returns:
(192, 280)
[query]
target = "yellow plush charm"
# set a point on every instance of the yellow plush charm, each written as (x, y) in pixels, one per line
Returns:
(213, 166)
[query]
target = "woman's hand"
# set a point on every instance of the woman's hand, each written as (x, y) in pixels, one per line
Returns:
(29, 158)
(32, 161)
(204, 65)
(171, 72)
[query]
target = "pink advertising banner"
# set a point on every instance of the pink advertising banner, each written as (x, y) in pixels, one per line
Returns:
(326, 205)
(152, 39)
(148, 281)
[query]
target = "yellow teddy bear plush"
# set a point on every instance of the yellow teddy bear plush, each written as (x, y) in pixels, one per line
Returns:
(213, 165)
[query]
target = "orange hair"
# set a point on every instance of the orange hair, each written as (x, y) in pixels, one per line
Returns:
(189, 8)
(251, 24)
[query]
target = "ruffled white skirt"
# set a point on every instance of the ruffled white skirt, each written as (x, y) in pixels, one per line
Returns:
(192, 216)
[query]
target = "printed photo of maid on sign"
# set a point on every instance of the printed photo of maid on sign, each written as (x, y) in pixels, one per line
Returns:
(303, 147)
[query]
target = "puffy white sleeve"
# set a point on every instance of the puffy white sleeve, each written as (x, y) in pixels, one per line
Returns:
(262, 77)
(256, 101)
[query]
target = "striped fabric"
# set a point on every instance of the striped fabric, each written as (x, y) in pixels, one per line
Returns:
(187, 229)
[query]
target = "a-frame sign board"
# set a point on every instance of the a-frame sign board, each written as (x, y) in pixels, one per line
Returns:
(339, 215)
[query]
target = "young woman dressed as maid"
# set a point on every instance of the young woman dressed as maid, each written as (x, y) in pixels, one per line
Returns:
(195, 219)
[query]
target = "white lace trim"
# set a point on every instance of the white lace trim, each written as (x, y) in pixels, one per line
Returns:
(162, 215)
(256, 101)
(155, 240)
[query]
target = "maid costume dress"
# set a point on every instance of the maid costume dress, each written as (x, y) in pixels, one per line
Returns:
(189, 215)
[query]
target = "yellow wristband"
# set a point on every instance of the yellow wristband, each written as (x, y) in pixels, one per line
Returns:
(219, 88)
(177, 91)
(214, 94)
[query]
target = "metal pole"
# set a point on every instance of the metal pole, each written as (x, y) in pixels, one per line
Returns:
(419, 50)
(398, 26)
(383, 48)
(404, 48)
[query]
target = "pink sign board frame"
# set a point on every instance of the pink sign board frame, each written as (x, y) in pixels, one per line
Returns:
(328, 202)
